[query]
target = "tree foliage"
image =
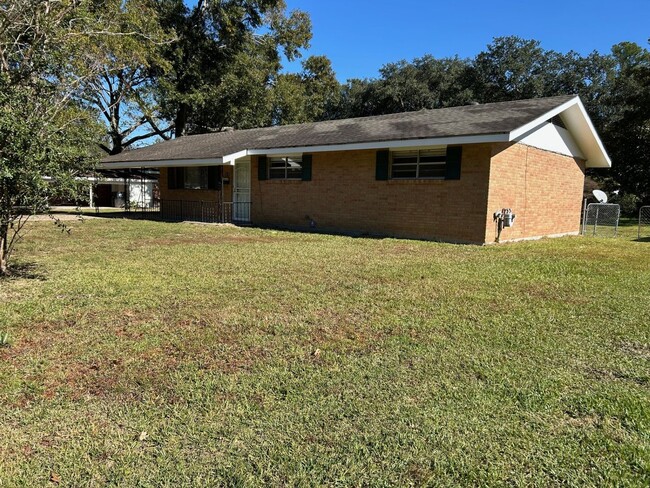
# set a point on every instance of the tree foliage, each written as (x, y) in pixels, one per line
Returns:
(224, 59)
(627, 129)
(49, 49)
(312, 95)
(122, 90)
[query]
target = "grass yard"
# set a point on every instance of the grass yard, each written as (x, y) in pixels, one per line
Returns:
(154, 354)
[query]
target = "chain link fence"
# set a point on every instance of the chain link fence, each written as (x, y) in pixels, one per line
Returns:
(644, 222)
(601, 220)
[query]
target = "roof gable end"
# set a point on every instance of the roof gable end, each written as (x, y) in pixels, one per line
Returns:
(580, 128)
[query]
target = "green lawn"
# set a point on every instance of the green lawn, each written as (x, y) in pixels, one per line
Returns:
(152, 354)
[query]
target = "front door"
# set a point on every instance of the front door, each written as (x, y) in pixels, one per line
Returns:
(241, 193)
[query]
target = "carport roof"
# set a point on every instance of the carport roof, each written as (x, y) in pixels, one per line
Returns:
(504, 121)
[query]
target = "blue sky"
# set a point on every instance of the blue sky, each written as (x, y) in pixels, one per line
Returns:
(360, 36)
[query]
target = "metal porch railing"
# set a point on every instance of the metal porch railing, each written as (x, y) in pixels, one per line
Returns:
(196, 211)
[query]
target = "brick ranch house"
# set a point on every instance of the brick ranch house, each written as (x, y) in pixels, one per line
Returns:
(431, 174)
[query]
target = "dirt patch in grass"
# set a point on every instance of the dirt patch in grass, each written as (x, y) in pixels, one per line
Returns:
(204, 239)
(344, 330)
(131, 352)
(613, 375)
(636, 349)
(546, 292)
(582, 421)
(97, 378)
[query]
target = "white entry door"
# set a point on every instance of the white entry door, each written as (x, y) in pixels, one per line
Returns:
(241, 192)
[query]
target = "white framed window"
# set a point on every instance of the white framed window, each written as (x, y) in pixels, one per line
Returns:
(419, 164)
(285, 168)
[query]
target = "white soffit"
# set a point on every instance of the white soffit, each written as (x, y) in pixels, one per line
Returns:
(552, 138)
(579, 125)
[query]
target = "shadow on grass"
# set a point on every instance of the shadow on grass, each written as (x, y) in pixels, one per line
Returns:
(642, 239)
(24, 271)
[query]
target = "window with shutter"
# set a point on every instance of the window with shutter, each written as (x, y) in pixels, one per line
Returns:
(419, 164)
(441, 163)
(193, 178)
(285, 168)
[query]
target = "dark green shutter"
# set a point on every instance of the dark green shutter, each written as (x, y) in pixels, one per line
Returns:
(173, 179)
(381, 169)
(213, 178)
(452, 168)
(262, 171)
(306, 167)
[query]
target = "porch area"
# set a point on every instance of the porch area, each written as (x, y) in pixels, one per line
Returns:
(213, 212)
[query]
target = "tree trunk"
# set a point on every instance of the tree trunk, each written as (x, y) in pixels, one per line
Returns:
(181, 120)
(117, 147)
(4, 230)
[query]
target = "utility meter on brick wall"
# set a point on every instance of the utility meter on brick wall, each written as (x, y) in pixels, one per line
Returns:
(503, 218)
(508, 217)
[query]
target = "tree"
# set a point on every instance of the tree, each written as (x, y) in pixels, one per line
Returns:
(322, 89)
(47, 138)
(511, 69)
(359, 98)
(309, 96)
(123, 90)
(289, 100)
(217, 41)
(426, 82)
(627, 131)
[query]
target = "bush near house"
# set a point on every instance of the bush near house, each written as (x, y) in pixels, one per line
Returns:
(149, 353)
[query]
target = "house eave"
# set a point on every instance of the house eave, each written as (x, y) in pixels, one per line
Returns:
(387, 144)
(164, 163)
(229, 159)
(579, 125)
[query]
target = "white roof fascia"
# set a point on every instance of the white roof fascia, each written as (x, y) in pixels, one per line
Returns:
(117, 181)
(530, 126)
(230, 158)
(166, 163)
(394, 144)
(579, 125)
(595, 151)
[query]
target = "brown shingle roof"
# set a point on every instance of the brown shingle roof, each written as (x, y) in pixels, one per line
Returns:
(491, 118)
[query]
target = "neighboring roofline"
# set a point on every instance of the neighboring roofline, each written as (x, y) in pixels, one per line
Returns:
(100, 181)
(117, 181)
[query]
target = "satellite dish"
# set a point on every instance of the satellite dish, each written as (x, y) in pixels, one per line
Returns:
(601, 196)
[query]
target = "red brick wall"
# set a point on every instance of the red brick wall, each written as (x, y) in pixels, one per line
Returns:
(344, 196)
(544, 190)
